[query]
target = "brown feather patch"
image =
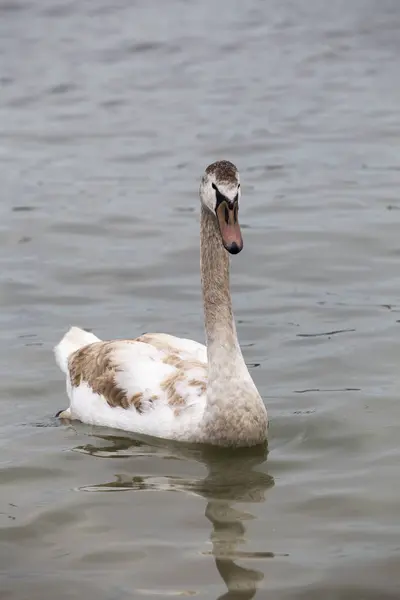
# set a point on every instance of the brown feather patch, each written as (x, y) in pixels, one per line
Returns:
(181, 363)
(94, 365)
(156, 341)
(172, 359)
(169, 387)
(199, 384)
(224, 171)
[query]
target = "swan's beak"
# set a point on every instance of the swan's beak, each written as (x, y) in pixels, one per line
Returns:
(229, 227)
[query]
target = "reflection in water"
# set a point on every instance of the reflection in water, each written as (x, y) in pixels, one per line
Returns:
(234, 480)
(231, 478)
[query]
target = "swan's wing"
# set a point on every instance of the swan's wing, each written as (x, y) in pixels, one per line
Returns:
(125, 383)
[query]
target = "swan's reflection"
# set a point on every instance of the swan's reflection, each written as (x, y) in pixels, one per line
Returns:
(232, 477)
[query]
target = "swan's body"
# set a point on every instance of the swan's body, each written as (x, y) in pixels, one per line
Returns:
(170, 387)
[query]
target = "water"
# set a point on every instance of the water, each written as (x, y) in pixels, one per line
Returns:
(109, 113)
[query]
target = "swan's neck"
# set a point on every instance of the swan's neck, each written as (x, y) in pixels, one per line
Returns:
(235, 413)
(222, 342)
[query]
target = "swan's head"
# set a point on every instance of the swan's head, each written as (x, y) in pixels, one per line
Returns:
(220, 194)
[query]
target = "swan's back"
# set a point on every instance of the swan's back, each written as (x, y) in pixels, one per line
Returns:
(154, 384)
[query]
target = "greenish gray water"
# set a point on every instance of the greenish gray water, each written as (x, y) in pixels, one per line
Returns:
(109, 113)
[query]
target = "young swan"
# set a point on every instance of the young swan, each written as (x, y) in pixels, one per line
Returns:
(170, 387)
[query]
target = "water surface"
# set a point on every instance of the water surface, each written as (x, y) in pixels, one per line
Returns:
(109, 113)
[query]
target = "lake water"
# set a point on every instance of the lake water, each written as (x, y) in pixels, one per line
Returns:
(110, 110)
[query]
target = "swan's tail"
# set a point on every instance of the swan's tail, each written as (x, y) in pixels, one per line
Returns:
(74, 339)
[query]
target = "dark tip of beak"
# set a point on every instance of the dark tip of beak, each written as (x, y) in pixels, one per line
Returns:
(59, 413)
(234, 248)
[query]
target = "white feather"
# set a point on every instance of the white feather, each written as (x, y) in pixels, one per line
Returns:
(74, 339)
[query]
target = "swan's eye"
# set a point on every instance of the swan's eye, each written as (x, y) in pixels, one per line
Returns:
(214, 186)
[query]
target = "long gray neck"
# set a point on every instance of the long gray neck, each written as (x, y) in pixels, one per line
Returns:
(235, 413)
(222, 342)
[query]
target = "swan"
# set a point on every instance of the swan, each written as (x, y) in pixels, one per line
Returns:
(169, 387)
